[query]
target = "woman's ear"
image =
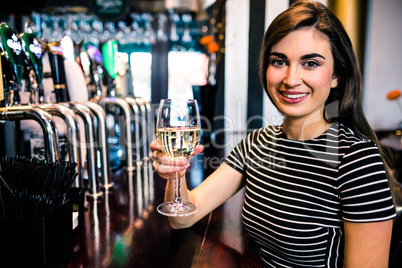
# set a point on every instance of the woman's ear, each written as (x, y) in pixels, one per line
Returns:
(334, 82)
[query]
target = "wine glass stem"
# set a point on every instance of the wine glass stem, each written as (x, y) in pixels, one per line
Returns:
(177, 195)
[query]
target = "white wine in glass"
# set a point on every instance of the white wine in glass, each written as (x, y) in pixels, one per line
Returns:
(178, 130)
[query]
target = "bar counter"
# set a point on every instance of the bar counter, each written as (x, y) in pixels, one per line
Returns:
(123, 229)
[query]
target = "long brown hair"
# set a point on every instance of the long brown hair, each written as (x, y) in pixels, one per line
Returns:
(347, 97)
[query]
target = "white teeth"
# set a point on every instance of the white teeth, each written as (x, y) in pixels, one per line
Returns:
(294, 96)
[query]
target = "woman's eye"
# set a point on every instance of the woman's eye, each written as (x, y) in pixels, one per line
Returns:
(278, 62)
(310, 64)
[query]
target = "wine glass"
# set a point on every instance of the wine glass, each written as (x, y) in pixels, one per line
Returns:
(178, 130)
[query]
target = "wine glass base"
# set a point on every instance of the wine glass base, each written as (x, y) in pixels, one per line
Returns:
(174, 209)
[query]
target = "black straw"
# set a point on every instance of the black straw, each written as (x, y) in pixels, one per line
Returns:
(31, 188)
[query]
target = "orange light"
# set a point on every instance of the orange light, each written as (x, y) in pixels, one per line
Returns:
(394, 94)
(205, 40)
(213, 47)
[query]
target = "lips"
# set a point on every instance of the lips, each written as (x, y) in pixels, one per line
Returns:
(293, 97)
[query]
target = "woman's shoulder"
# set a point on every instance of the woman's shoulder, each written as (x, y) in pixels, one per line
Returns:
(350, 140)
(346, 134)
(270, 131)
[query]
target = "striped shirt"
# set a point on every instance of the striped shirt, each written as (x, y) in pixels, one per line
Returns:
(298, 193)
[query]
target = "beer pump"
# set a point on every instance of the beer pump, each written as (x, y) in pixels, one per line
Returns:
(56, 59)
(11, 64)
(33, 65)
(109, 53)
(11, 78)
(92, 65)
(117, 110)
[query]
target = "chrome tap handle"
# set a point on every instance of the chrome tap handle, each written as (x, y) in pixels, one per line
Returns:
(88, 118)
(72, 134)
(44, 119)
(101, 143)
(125, 139)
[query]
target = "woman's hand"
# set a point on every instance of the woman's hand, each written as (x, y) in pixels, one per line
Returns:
(167, 166)
(222, 184)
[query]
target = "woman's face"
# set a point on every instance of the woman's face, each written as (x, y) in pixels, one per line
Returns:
(300, 73)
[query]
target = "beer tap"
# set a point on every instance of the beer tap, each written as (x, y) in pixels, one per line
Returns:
(92, 64)
(11, 76)
(111, 105)
(11, 64)
(109, 53)
(33, 65)
(78, 93)
(7, 82)
(45, 120)
(33, 75)
(139, 106)
(56, 60)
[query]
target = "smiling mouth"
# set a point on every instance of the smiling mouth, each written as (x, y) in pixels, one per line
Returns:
(294, 96)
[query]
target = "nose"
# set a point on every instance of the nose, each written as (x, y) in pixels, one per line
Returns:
(292, 77)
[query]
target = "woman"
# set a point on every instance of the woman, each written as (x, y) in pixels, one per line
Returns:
(317, 193)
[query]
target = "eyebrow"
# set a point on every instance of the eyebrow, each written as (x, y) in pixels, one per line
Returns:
(312, 55)
(307, 56)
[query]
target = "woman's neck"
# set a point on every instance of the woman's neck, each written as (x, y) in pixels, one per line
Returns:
(302, 129)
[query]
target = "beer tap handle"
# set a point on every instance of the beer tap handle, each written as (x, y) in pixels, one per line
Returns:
(7, 77)
(109, 54)
(33, 64)
(16, 91)
(12, 52)
(56, 59)
(93, 61)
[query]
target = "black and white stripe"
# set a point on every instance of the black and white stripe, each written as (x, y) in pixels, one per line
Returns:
(298, 193)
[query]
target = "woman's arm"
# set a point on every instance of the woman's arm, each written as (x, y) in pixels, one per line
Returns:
(212, 192)
(367, 244)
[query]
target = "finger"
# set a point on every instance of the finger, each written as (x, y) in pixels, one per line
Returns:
(168, 172)
(161, 172)
(172, 176)
(168, 160)
(155, 145)
(163, 168)
(155, 154)
(169, 166)
(172, 161)
(182, 173)
(198, 149)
